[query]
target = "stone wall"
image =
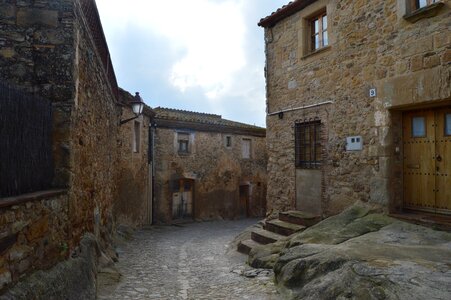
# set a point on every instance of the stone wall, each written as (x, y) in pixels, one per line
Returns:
(93, 140)
(372, 45)
(33, 235)
(46, 48)
(133, 204)
(37, 54)
(217, 171)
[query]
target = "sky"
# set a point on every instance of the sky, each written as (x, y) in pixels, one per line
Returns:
(198, 55)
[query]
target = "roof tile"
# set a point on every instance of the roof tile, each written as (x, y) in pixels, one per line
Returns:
(197, 117)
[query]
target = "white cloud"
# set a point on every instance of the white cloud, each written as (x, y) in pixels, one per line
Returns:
(213, 52)
(211, 35)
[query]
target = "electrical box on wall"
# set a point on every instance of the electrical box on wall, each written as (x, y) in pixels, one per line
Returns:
(354, 143)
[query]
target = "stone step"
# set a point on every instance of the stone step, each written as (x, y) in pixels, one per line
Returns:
(246, 246)
(282, 227)
(299, 218)
(264, 237)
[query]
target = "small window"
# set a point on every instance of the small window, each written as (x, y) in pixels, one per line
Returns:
(246, 148)
(187, 186)
(183, 142)
(423, 3)
(136, 137)
(308, 145)
(183, 146)
(319, 33)
(448, 124)
(228, 141)
(418, 127)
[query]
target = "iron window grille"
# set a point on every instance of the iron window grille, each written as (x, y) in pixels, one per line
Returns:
(308, 145)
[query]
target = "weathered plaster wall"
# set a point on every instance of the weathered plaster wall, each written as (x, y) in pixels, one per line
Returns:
(218, 172)
(371, 46)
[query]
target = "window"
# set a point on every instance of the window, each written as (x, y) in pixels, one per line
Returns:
(448, 124)
(423, 3)
(319, 34)
(418, 127)
(228, 141)
(420, 9)
(246, 148)
(183, 142)
(308, 145)
(136, 137)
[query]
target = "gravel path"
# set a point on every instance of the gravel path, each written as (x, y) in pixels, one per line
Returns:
(192, 261)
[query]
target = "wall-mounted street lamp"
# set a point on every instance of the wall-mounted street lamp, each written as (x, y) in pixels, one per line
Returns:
(137, 107)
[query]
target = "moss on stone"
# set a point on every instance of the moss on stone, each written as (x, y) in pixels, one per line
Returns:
(337, 229)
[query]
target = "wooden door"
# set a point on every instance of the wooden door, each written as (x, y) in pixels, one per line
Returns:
(443, 159)
(244, 201)
(427, 165)
(182, 199)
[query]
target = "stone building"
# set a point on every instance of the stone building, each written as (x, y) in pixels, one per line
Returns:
(358, 101)
(133, 206)
(56, 50)
(207, 167)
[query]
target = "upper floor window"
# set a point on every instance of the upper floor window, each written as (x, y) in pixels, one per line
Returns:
(228, 141)
(423, 3)
(420, 9)
(183, 142)
(246, 148)
(319, 34)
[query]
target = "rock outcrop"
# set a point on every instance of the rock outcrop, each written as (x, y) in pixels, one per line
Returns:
(361, 254)
(74, 278)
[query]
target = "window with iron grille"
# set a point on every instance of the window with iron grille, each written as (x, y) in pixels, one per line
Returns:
(308, 145)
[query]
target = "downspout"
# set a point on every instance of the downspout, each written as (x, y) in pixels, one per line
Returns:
(152, 151)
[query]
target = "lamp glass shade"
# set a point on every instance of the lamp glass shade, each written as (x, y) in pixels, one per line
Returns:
(137, 108)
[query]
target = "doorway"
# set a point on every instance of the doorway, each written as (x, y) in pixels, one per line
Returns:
(244, 200)
(182, 199)
(427, 160)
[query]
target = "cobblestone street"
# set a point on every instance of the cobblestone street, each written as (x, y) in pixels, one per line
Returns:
(191, 261)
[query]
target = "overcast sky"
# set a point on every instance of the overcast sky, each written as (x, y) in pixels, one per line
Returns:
(199, 55)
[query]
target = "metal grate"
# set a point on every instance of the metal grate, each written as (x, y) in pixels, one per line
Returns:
(95, 26)
(26, 163)
(308, 145)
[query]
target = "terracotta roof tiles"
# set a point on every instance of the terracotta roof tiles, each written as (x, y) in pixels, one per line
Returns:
(283, 12)
(197, 117)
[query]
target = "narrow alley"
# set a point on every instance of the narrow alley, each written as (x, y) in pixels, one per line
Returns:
(190, 261)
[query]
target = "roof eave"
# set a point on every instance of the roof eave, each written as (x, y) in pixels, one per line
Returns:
(284, 12)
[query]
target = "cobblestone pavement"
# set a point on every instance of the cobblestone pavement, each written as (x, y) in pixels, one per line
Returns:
(192, 261)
